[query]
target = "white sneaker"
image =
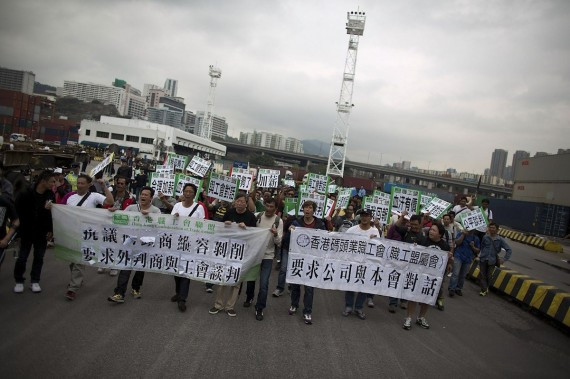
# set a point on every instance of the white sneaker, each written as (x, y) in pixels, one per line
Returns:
(113, 272)
(35, 287)
(19, 288)
(100, 270)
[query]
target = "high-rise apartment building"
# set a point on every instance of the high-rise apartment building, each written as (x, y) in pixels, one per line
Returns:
(271, 141)
(171, 87)
(163, 115)
(147, 87)
(519, 155)
(498, 163)
(15, 80)
(219, 125)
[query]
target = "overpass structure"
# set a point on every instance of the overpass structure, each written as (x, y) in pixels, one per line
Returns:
(387, 174)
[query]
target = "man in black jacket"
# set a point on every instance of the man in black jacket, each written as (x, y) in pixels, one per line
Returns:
(36, 228)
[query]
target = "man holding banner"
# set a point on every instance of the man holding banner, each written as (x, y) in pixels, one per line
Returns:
(145, 207)
(307, 221)
(365, 228)
(186, 208)
(86, 199)
(226, 296)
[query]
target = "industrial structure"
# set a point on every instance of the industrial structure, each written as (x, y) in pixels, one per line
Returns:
(205, 127)
(337, 155)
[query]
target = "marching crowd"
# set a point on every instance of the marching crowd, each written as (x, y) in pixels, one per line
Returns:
(28, 216)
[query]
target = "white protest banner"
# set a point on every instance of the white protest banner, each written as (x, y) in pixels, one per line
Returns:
(245, 178)
(318, 183)
(198, 166)
(473, 219)
(163, 183)
(404, 199)
(351, 262)
(379, 205)
(436, 207)
(315, 197)
(332, 188)
(268, 178)
(181, 181)
(289, 183)
(343, 198)
(222, 187)
(162, 169)
(177, 161)
(104, 163)
(198, 249)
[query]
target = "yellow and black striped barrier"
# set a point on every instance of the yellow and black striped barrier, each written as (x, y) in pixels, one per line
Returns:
(546, 299)
(532, 240)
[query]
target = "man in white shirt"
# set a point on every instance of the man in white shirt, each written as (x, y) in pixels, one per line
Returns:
(84, 198)
(462, 206)
(370, 230)
(186, 208)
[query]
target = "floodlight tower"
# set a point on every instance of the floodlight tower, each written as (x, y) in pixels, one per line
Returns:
(337, 155)
(208, 119)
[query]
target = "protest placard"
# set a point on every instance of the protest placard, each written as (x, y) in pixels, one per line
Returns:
(178, 162)
(343, 198)
(436, 207)
(104, 163)
(267, 178)
(198, 166)
(356, 263)
(163, 183)
(404, 199)
(182, 179)
(222, 187)
(162, 169)
(473, 219)
(245, 178)
(317, 183)
(290, 205)
(198, 249)
(379, 206)
(289, 183)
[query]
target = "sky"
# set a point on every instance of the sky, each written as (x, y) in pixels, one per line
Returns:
(438, 83)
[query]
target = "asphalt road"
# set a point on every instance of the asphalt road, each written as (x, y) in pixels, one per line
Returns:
(44, 335)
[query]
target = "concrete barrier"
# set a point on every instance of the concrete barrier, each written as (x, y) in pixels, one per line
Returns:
(542, 297)
(533, 240)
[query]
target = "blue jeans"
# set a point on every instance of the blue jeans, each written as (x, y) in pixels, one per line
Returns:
(349, 300)
(307, 299)
(283, 270)
(460, 269)
(39, 243)
(264, 273)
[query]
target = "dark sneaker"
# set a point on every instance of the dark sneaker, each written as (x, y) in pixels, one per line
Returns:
(459, 292)
(247, 303)
(308, 319)
(116, 298)
(392, 308)
(407, 323)
(404, 304)
(483, 293)
(174, 298)
(214, 311)
(182, 306)
(421, 321)
(231, 313)
(70, 295)
(451, 293)
(347, 311)
(360, 314)
(258, 314)
(292, 310)
(439, 304)
(136, 293)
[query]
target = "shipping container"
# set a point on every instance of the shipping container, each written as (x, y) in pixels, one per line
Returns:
(530, 217)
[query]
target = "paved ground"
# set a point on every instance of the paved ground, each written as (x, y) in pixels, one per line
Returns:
(44, 335)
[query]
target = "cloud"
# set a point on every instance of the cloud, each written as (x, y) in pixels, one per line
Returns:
(439, 83)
